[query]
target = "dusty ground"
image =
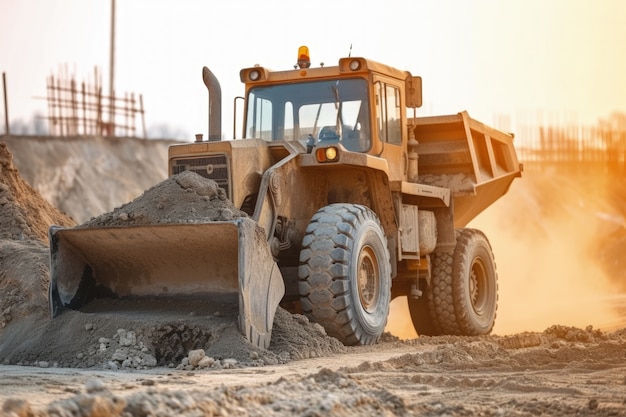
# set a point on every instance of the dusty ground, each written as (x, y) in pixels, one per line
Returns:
(559, 347)
(546, 374)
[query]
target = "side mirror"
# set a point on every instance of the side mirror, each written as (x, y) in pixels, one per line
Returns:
(413, 91)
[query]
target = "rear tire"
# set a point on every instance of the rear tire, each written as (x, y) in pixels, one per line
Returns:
(463, 296)
(345, 273)
(475, 284)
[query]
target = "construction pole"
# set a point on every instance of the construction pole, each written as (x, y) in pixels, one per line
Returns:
(6, 105)
(112, 73)
(143, 118)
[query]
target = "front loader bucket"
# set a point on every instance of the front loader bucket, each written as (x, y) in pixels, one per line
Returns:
(227, 261)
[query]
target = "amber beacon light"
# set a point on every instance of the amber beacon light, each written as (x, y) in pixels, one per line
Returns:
(304, 60)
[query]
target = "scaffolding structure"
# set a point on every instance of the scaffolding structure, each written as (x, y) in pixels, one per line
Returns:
(83, 110)
(576, 147)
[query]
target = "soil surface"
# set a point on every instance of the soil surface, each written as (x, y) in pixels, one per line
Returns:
(559, 346)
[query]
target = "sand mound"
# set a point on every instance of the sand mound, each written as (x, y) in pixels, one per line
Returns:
(183, 198)
(123, 340)
(24, 215)
(24, 221)
(85, 176)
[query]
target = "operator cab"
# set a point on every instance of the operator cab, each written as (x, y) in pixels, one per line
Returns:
(359, 104)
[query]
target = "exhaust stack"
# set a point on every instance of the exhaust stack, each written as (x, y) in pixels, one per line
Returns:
(215, 104)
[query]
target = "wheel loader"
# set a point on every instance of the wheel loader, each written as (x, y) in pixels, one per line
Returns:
(351, 201)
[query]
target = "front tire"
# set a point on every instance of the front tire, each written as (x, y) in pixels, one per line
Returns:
(345, 273)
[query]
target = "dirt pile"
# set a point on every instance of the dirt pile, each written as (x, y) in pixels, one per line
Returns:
(123, 341)
(25, 215)
(24, 221)
(183, 198)
(87, 176)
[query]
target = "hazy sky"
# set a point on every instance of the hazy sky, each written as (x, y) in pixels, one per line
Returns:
(563, 58)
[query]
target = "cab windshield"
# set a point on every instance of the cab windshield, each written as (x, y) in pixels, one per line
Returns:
(334, 111)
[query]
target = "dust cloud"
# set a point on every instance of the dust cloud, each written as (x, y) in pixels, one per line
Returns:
(546, 259)
(548, 234)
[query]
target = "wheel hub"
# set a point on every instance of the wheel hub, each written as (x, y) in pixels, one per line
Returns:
(477, 283)
(368, 278)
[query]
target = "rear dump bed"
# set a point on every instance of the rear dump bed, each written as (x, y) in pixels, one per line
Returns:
(476, 162)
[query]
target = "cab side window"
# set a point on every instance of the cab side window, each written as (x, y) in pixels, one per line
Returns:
(260, 118)
(388, 113)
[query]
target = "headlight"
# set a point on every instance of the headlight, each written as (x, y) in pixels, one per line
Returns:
(330, 154)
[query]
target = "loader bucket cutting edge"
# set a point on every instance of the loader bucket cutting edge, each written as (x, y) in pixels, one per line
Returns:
(221, 261)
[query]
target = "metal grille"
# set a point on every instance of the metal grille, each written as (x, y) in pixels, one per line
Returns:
(214, 167)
